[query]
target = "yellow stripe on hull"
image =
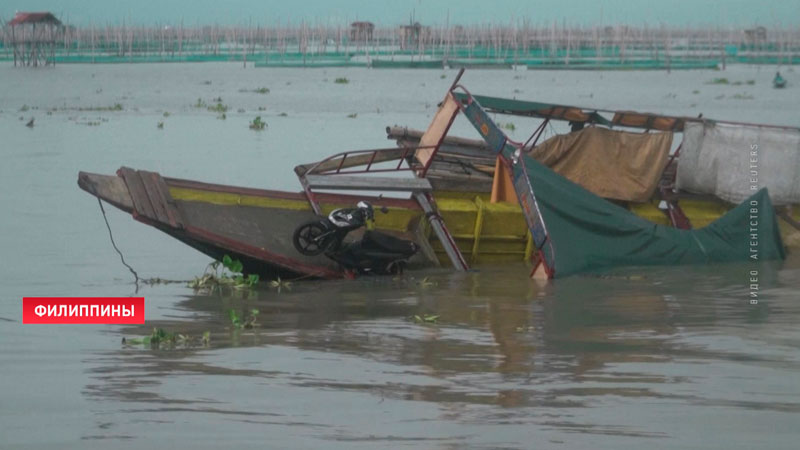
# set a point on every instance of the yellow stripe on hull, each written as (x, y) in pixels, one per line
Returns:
(484, 232)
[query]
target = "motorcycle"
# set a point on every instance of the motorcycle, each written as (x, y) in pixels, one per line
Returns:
(375, 253)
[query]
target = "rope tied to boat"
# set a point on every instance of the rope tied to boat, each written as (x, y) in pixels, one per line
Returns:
(114, 244)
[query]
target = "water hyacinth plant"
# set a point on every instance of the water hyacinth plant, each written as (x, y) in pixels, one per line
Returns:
(258, 124)
(224, 274)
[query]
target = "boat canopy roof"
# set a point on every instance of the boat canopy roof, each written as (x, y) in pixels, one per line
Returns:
(536, 109)
(578, 114)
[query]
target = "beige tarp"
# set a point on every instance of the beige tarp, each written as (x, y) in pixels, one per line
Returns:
(612, 164)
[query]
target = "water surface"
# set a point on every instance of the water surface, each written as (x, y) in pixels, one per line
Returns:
(638, 357)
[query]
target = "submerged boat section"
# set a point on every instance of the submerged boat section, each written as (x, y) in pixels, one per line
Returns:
(566, 205)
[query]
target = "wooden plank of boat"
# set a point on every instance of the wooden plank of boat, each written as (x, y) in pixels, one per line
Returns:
(410, 134)
(165, 198)
(109, 188)
(259, 236)
(368, 183)
(432, 139)
(150, 197)
(156, 200)
(141, 201)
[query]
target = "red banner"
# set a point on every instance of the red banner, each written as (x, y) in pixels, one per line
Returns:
(83, 310)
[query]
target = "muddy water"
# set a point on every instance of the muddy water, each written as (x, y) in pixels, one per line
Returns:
(663, 358)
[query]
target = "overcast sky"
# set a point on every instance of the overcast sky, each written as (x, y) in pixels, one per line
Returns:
(268, 12)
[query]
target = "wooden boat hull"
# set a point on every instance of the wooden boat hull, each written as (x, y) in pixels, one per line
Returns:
(255, 225)
(252, 225)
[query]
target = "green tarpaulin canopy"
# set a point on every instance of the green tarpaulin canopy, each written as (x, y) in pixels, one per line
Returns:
(536, 109)
(589, 233)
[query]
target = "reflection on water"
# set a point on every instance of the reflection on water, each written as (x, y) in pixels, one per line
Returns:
(342, 362)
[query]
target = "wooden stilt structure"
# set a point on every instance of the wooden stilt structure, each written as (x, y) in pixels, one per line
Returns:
(33, 38)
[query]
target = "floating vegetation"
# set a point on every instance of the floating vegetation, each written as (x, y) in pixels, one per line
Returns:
(200, 103)
(261, 90)
(281, 284)
(158, 281)
(160, 339)
(743, 97)
(248, 322)
(341, 80)
(732, 83)
(91, 122)
(160, 125)
(352, 116)
(207, 82)
(424, 319)
(166, 114)
(283, 114)
(224, 274)
(442, 76)
(695, 92)
(241, 111)
(262, 108)
(222, 116)
(258, 124)
(426, 283)
(115, 107)
(24, 108)
(218, 108)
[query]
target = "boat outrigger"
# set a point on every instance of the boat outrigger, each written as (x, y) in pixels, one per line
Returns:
(594, 198)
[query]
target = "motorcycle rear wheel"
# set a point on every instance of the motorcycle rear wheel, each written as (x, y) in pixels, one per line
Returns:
(308, 238)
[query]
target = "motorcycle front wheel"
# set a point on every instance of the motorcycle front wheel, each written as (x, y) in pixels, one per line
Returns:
(313, 238)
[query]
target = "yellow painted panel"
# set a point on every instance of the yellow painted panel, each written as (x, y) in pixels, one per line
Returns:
(503, 235)
(224, 198)
(649, 211)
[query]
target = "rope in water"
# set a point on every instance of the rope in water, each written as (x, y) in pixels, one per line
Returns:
(122, 258)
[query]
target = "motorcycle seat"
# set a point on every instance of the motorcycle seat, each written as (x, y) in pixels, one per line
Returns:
(388, 243)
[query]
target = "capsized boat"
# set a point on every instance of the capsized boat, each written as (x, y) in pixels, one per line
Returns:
(463, 204)
(252, 225)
